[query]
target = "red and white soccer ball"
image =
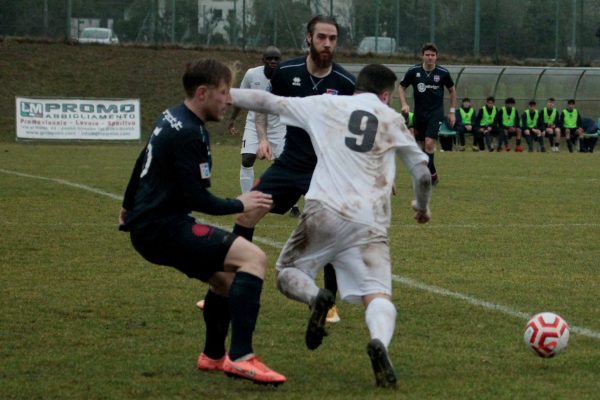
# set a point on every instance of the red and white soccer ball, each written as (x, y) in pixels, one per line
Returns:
(546, 334)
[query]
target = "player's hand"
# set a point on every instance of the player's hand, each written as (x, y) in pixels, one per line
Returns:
(253, 200)
(264, 151)
(231, 128)
(405, 109)
(421, 216)
(122, 215)
(451, 119)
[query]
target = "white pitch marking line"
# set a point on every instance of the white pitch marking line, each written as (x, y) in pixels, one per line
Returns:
(396, 278)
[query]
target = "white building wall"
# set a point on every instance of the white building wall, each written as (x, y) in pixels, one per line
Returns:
(212, 14)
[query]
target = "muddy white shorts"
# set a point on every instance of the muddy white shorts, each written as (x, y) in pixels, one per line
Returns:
(359, 253)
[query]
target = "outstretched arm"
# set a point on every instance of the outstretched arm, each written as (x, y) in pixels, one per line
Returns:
(257, 100)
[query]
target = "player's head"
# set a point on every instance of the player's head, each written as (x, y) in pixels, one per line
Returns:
(509, 102)
(466, 102)
(571, 104)
(532, 104)
(271, 58)
(206, 83)
(490, 101)
(321, 37)
(550, 102)
(377, 79)
(429, 51)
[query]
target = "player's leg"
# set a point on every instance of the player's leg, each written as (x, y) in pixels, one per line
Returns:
(247, 171)
(365, 276)
(557, 138)
(380, 316)
(249, 263)
(216, 320)
(529, 136)
(549, 132)
(248, 152)
(311, 245)
(539, 137)
(430, 128)
(461, 138)
(330, 283)
(514, 131)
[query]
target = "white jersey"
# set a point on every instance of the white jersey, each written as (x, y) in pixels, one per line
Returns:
(356, 139)
(255, 79)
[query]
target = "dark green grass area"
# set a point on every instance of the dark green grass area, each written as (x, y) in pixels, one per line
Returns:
(153, 75)
(84, 316)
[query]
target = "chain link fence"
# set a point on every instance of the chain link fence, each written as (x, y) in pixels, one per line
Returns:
(510, 30)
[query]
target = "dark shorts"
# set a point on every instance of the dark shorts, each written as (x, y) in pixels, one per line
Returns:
(427, 125)
(286, 185)
(195, 249)
(511, 131)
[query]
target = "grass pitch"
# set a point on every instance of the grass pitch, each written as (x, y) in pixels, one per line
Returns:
(84, 316)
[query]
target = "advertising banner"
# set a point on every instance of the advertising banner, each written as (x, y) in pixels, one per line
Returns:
(78, 119)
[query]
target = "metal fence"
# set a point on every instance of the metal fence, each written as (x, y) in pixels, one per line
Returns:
(508, 30)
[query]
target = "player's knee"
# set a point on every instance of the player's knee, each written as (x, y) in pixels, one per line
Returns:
(220, 282)
(248, 160)
(255, 261)
(280, 279)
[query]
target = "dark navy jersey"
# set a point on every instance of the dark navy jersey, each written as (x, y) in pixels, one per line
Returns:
(172, 174)
(428, 87)
(292, 79)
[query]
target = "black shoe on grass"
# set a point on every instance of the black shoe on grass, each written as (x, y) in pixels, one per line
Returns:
(315, 329)
(385, 376)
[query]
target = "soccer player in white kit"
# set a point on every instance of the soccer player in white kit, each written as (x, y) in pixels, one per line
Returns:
(347, 210)
(266, 143)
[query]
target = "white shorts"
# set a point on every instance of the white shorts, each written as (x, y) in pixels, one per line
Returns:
(359, 253)
(250, 142)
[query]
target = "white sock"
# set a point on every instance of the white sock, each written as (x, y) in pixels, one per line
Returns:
(380, 317)
(246, 178)
(297, 285)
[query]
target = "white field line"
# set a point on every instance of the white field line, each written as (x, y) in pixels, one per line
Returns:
(396, 278)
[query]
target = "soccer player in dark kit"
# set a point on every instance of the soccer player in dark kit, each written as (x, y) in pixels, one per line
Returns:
(428, 81)
(171, 179)
(289, 176)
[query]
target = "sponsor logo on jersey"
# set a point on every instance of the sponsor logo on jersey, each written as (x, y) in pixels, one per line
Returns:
(436, 78)
(296, 81)
(170, 118)
(418, 74)
(204, 170)
(331, 91)
(421, 87)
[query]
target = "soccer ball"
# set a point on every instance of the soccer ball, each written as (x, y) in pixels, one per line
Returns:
(546, 334)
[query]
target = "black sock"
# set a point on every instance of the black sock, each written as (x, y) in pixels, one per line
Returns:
(244, 232)
(430, 164)
(216, 319)
(244, 303)
(330, 279)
